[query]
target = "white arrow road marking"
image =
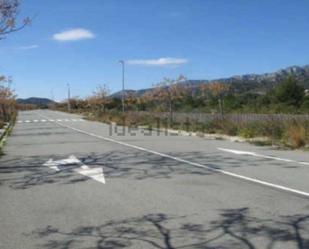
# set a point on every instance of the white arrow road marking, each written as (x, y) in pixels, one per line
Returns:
(52, 164)
(248, 153)
(94, 173)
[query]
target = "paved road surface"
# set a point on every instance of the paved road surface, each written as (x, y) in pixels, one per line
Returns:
(71, 183)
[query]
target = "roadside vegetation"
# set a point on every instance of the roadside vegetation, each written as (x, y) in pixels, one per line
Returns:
(9, 23)
(280, 115)
(8, 106)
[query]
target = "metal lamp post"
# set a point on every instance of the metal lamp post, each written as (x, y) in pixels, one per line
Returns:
(69, 97)
(122, 62)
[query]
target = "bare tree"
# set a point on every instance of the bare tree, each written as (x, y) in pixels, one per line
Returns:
(7, 101)
(100, 98)
(218, 90)
(9, 23)
(169, 91)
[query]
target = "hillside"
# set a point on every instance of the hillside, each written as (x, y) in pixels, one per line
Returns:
(247, 82)
(35, 101)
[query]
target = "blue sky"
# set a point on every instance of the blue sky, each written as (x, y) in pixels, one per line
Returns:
(80, 41)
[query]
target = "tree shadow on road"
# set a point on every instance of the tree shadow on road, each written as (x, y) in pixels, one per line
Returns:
(26, 172)
(234, 228)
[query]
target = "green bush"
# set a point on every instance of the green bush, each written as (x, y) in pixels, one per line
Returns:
(246, 132)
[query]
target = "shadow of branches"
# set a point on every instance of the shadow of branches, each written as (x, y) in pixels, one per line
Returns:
(234, 228)
(25, 172)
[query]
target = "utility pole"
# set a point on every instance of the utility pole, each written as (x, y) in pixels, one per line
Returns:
(69, 97)
(123, 92)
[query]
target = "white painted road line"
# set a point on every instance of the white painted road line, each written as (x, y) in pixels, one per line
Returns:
(49, 120)
(249, 179)
(248, 153)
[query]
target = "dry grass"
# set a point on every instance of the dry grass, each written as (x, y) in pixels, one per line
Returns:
(295, 136)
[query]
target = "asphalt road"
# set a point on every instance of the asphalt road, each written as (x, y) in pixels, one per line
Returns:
(71, 183)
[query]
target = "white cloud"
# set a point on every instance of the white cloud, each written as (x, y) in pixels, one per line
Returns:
(28, 47)
(73, 35)
(159, 62)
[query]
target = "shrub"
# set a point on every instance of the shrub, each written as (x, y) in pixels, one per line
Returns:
(295, 136)
(247, 132)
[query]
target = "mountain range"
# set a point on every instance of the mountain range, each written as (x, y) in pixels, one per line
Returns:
(35, 101)
(258, 83)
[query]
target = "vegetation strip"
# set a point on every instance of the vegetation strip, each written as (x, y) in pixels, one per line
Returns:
(7, 130)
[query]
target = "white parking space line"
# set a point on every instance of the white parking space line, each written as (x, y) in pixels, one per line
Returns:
(248, 153)
(249, 179)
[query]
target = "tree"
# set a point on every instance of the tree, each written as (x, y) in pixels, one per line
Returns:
(100, 98)
(169, 91)
(289, 92)
(7, 101)
(218, 90)
(9, 10)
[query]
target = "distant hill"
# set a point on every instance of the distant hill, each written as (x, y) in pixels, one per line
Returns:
(35, 101)
(258, 83)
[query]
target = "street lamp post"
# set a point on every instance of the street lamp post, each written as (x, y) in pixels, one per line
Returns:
(123, 92)
(69, 97)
